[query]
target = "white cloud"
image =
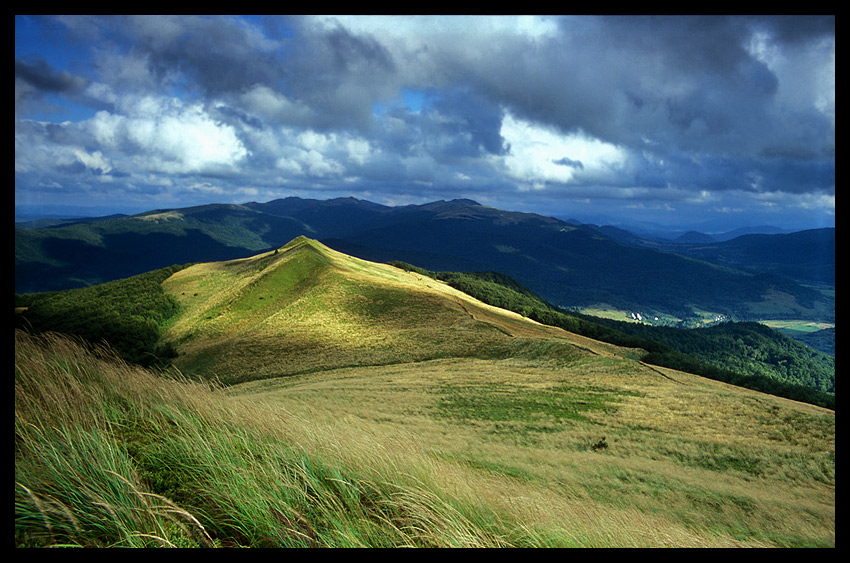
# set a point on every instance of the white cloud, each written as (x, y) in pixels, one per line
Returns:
(539, 154)
(95, 161)
(320, 154)
(423, 27)
(165, 135)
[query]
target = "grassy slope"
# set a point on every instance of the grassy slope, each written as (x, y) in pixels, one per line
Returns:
(606, 447)
(309, 308)
(413, 415)
(598, 452)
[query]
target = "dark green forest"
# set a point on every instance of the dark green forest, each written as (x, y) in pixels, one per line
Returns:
(128, 314)
(746, 354)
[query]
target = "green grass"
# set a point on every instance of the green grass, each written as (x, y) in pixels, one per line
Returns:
(429, 454)
(530, 408)
(411, 415)
(172, 463)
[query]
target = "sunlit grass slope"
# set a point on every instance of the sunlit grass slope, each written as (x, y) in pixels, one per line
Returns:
(461, 452)
(370, 406)
(306, 308)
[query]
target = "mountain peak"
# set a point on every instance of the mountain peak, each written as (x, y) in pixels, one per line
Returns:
(327, 310)
(449, 204)
(300, 240)
(464, 201)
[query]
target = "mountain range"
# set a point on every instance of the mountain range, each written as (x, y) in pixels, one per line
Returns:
(572, 266)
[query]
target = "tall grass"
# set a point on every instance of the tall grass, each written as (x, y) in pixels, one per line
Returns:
(74, 482)
(111, 455)
(108, 454)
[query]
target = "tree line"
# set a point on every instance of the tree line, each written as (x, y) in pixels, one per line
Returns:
(129, 314)
(745, 354)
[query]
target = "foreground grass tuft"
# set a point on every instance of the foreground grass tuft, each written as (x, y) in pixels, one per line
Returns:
(111, 455)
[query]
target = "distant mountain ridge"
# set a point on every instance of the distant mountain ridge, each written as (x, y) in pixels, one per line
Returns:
(569, 265)
(803, 256)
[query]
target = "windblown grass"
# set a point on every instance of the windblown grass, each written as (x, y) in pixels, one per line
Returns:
(412, 415)
(112, 455)
(606, 445)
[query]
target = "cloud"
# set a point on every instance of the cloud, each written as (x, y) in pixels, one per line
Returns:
(541, 154)
(43, 77)
(559, 109)
(275, 107)
(168, 136)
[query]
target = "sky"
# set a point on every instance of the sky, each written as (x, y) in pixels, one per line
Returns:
(715, 122)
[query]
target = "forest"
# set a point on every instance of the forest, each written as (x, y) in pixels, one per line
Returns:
(746, 354)
(128, 314)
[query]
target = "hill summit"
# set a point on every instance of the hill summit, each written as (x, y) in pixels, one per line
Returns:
(304, 308)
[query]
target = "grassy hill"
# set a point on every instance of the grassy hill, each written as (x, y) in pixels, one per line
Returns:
(362, 404)
(410, 415)
(305, 308)
(133, 314)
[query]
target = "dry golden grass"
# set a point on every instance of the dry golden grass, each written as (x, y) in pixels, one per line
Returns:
(589, 445)
(661, 481)
(689, 461)
(309, 308)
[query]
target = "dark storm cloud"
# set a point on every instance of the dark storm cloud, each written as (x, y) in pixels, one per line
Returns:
(475, 119)
(43, 77)
(209, 54)
(217, 54)
(340, 75)
(535, 109)
(684, 83)
(795, 29)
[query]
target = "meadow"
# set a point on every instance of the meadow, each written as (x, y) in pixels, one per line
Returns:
(321, 401)
(449, 453)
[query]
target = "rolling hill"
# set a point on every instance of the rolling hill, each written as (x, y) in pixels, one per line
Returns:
(305, 308)
(354, 403)
(569, 265)
(221, 299)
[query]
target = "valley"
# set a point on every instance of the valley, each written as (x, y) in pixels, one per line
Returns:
(571, 266)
